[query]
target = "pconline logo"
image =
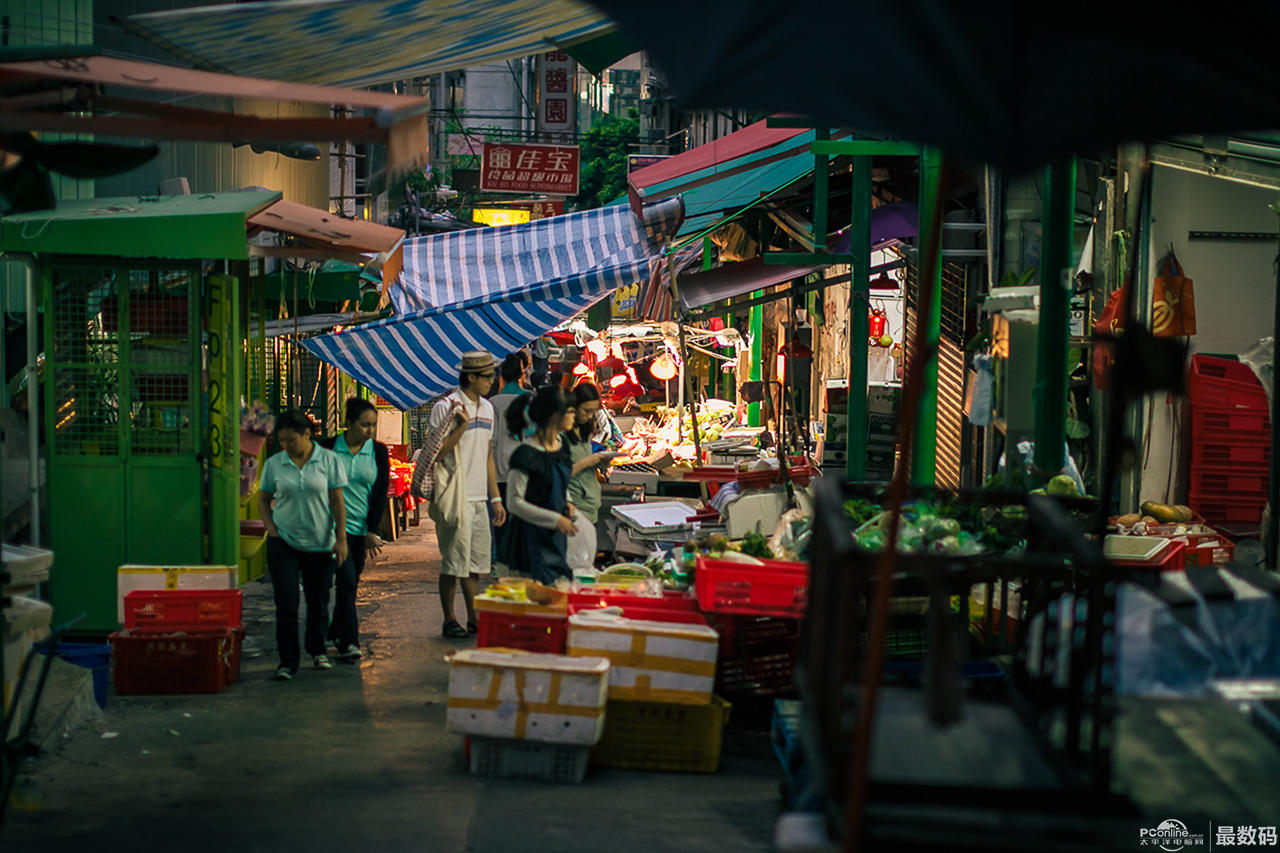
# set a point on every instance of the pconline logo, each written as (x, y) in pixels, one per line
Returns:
(1171, 835)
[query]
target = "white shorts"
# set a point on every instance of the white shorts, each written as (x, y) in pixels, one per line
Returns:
(465, 548)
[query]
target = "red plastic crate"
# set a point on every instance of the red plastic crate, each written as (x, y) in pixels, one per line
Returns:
(741, 634)
(1207, 549)
(1230, 425)
(528, 633)
(175, 608)
(768, 674)
(776, 588)
(1220, 510)
(1238, 452)
(169, 662)
(671, 607)
(1168, 560)
(1223, 382)
(233, 660)
(1230, 482)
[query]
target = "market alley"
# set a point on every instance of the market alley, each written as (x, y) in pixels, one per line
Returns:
(358, 758)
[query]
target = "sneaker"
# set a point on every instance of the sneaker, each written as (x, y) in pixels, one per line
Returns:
(351, 653)
(283, 673)
(323, 662)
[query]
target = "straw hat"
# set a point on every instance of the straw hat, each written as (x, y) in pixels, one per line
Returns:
(476, 362)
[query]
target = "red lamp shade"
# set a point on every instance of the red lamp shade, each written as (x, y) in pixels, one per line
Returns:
(663, 368)
(795, 349)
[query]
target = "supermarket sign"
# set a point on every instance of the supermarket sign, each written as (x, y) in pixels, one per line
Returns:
(525, 168)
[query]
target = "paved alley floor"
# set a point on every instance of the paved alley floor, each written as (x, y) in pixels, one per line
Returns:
(358, 759)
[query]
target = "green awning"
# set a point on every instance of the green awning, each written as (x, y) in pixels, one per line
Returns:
(335, 281)
(210, 225)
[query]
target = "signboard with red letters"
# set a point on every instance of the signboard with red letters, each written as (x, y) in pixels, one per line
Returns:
(557, 97)
(526, 168)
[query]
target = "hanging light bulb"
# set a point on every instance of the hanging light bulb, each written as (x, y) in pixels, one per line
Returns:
(581, 369)
(780, 367)
(663, 367)
(618, 381)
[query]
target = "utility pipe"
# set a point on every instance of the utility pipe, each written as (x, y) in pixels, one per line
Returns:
(33, 392)
(1055, 316)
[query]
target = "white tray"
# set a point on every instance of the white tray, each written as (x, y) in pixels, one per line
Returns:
(1139, 548)
(26, 564)
(656, 517)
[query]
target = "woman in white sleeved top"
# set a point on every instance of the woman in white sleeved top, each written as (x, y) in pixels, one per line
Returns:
(542, 518)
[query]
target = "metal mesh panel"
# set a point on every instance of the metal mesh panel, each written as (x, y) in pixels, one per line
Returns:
(160, 354)
(85, 314)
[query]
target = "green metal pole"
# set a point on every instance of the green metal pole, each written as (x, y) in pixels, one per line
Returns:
(859, 327)
(1055, 316)
(757, 354)
(923, 456)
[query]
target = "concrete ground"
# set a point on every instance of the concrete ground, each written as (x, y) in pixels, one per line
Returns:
(358, 759)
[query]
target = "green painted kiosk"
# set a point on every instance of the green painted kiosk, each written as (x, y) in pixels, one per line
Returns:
(141, 384)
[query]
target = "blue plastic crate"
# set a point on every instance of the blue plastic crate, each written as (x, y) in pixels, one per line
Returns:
(95, 657)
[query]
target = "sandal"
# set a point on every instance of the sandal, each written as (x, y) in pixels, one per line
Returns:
(454, 631)
(473, 628)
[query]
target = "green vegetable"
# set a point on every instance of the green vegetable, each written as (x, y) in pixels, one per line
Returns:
(755, 545)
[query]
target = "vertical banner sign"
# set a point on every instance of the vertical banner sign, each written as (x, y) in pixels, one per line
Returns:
(557, 97)
(222, 410)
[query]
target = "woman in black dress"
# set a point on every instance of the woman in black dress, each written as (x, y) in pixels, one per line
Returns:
(538, 485)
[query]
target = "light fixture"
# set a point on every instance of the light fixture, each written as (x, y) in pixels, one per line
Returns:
(618, 381)
(663, 367)
(795, 349)
(780, 368)
(598, 348)
(581, 369)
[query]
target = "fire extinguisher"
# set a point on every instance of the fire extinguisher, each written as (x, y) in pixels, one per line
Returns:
(876, 320)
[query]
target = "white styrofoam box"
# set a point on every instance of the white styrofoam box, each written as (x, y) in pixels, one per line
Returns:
(26, 564)
(527, 696)
(758, 511)
(131, 577)
(649, 661)
(882, 400)
(23, 614)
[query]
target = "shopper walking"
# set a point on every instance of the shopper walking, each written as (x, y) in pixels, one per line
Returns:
(367, 464)
(541, 354)
(467, 451)
(538, 485)
(511, 373)
(584, 483)
(301, 502)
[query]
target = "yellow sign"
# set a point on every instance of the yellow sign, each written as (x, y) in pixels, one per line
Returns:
(499, 216)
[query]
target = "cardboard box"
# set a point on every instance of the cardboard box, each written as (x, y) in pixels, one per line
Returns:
(131, 577)
(527, 696)
(650, 661)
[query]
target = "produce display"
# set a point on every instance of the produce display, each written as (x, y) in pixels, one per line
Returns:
(671, 430)
(952, 526)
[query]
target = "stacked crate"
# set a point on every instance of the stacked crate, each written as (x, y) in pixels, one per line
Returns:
(178, 641)
(1230, 442)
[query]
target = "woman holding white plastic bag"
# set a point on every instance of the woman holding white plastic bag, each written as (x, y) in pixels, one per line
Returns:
(584, 484)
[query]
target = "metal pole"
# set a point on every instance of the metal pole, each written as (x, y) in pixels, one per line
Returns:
(1272, 541)
(929, 314)
(33, 404)
(1055, 316)
(859, 325)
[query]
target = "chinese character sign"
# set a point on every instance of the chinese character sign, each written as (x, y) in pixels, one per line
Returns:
(524, 168)
(557, 95)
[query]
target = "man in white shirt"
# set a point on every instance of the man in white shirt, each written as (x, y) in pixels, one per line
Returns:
(465, 548)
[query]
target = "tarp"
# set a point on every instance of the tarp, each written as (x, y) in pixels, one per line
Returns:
(741, 143)
(497, 290)
(363, 42)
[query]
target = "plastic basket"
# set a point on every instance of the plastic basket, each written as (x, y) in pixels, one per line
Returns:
(523, 759)
(1207, 549)
(530, 633)
(777, 588)
(671, 607)
(742, 633)
(1222, 382)
(662, 736)
(1222, 510)
(1234, 452)
(179, 608)
(95, 657)
(233, 659)
(168, 662)
(768, 674)
(1230, 425)
(1230, 481)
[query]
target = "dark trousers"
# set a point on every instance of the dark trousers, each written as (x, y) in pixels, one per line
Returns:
(344, 630)
(315, 568)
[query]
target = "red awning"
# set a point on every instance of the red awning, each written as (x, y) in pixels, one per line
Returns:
(755, 137)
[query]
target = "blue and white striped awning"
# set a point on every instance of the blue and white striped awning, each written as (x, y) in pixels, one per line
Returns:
(363, 42)
(494, 289)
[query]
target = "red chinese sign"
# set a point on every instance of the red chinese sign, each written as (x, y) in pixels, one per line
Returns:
(525, 168)
(539, 209)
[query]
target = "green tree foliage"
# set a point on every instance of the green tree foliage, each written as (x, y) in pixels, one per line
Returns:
(604, 160)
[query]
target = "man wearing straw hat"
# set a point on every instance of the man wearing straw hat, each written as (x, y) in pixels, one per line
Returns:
(465, 548)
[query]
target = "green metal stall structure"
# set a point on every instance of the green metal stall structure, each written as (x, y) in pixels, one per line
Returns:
(141, 384)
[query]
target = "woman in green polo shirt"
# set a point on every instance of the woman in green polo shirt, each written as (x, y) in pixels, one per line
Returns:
(300, 500)
(368, 466)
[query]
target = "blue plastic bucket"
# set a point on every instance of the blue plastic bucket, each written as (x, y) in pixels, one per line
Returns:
(95, 657)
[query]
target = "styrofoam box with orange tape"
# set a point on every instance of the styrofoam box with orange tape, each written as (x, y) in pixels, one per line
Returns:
(650, 661)
(527, 696)
(131, 577)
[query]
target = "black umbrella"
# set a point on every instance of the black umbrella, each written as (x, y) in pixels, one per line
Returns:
(1014, 84)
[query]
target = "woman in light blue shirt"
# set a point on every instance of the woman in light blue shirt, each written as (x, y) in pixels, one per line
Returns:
(368, 466)
(300, 500)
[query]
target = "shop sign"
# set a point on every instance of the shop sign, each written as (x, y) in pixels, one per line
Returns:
(224, 412)
(526, 168)
(636, 162)
(557, 97)
(499, 215)
(626, 302)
